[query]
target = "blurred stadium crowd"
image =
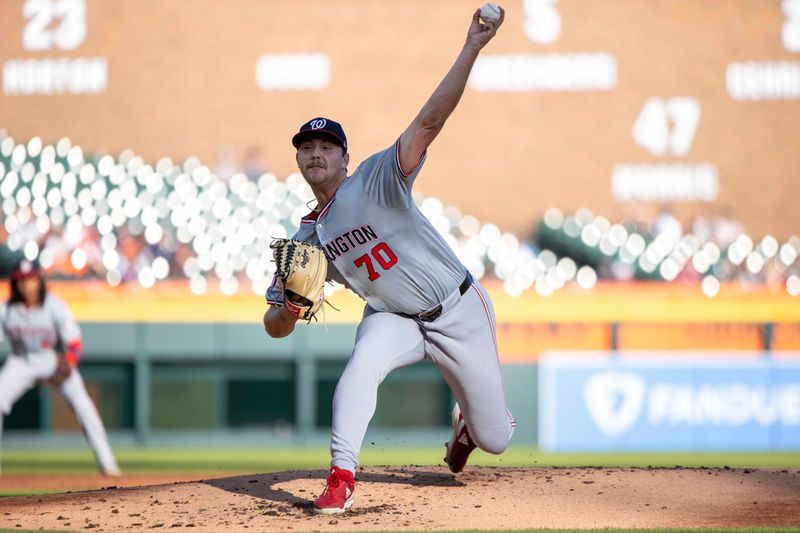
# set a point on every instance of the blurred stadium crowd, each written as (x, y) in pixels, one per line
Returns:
(127, 221)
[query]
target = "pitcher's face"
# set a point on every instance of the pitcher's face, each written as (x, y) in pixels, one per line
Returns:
(321, 161)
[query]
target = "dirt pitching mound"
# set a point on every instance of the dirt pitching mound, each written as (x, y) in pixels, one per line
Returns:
(74, 482)
(431, 499)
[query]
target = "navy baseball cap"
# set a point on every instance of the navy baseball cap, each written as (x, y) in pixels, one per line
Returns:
(321, 126)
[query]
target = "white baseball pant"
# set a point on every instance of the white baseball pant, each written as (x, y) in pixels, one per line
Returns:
(20, 373)
(462, 344)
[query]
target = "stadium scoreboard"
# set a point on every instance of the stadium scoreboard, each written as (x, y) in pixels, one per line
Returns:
(607, 105)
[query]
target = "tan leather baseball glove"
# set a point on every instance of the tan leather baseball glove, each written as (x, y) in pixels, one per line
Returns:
(301, 268)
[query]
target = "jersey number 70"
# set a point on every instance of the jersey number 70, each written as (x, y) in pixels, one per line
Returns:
(383, 255)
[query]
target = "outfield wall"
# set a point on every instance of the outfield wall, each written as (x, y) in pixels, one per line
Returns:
(165, 365)
(157, 382)
(160, 379)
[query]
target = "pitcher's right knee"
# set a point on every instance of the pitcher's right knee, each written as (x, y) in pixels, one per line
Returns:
(495, 439)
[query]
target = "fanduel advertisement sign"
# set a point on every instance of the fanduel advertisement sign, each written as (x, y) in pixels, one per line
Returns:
(670, 401)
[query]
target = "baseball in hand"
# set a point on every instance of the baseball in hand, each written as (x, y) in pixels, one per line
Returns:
(490, 12)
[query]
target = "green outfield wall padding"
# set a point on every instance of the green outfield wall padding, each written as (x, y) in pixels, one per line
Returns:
(152, 379)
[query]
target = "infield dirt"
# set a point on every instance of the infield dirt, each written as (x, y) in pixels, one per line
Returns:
(431, 499)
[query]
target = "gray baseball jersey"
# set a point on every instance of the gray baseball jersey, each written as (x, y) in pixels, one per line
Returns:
(49, 326)
(381, 246)
(36, 335)
(379, 243)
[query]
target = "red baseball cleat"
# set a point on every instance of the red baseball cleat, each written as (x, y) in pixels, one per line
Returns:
(338, 494)
(460, 446)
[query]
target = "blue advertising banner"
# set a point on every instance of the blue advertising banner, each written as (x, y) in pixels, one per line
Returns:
(669, 401)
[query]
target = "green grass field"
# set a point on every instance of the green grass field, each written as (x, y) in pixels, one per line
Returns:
(19, 461)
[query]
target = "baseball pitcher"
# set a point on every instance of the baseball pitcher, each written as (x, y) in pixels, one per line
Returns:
(421, 302)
